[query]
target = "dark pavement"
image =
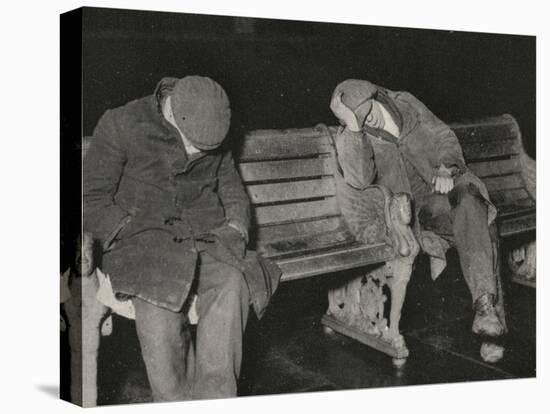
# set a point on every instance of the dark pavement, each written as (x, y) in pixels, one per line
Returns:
(288, 351)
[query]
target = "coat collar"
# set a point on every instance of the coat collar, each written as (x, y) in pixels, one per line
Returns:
(389, 104)
(382, 97)
(163, 88)
(404, 119)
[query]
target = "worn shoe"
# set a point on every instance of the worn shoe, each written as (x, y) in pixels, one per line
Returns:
(486, 321)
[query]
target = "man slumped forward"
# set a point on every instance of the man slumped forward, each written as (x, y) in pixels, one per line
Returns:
(391, 138)
(162, 195)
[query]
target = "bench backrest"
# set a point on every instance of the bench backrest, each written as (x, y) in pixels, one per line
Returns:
(289, 177)
(493, 150)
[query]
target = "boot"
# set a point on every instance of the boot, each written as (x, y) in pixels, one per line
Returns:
(486, 321)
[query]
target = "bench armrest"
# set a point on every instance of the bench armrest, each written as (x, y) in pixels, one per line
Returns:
(376, 215)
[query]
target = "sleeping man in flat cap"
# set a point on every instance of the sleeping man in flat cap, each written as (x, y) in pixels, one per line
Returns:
(162, 196)
(391, 138)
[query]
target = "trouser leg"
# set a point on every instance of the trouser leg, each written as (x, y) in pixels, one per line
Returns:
(167, 350)
(223, 310)
(499, 305)
(462, 216)
(473, 242)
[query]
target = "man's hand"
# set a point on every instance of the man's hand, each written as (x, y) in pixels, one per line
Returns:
(343, 113)
(232, 236)
(442, 181)
(239, 228)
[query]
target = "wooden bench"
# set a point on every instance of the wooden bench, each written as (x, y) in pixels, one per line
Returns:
(493, 150)
(309, 223)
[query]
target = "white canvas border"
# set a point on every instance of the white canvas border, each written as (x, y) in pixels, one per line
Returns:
(30, 168)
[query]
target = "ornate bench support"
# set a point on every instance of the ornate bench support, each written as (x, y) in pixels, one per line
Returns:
(523, 264)
(400, 270)
(84, 317)
(357, 308)
(523, 260)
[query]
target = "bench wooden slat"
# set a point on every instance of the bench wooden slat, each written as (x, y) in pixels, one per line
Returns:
(259, 147)
(286, 213)
(267, 234)
(508, 197)
(296, 190)
(494, 149)
(506, 182)
(518, 207)
(334, 261)
(498, 167)
(278, 170)
(518, 225)
(308, 243)
(277, 133)
(499, 128)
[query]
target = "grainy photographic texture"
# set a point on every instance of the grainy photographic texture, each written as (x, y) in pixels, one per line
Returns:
(257, 206)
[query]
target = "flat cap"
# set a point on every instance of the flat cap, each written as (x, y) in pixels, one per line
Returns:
(201, 111)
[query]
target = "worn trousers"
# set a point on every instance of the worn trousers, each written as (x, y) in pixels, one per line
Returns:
(461, 216)
(179, 369)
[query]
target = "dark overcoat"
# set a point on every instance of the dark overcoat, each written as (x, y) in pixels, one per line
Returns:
(148, 202)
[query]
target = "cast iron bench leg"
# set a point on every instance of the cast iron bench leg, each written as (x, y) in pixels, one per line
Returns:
(84, 316)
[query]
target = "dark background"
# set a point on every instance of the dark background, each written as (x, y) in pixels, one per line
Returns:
(280, 74)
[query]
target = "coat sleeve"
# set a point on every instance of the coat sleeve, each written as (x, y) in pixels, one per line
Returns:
(102, 169)
(355, 158)
(233, 195)
(447, 147)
